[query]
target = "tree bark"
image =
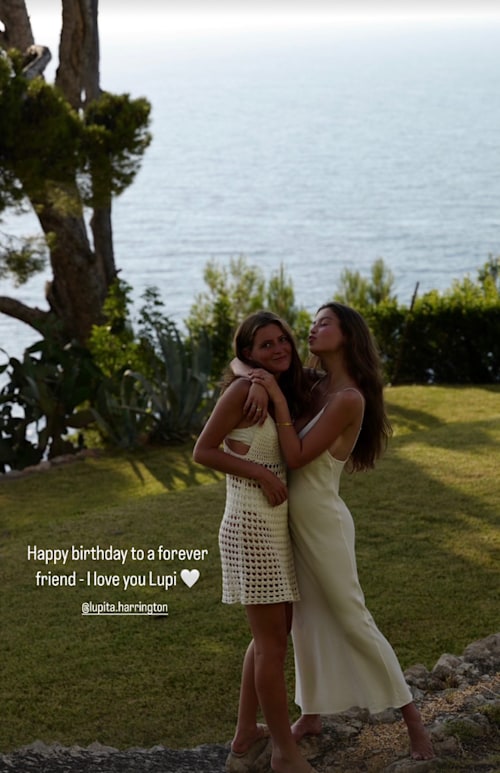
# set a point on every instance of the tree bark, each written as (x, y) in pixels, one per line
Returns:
(78, 77)
(33, 316)
(78, 288)
(17, 33)
(82, 273)
(78, 72)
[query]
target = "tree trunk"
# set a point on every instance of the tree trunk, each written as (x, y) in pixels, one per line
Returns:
(82, 272)
(78, 72)
(17, 33)
(78, 289)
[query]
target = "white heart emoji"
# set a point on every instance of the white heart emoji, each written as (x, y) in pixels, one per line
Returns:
(190, 576)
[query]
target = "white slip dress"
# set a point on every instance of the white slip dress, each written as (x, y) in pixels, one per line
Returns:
(342, 660)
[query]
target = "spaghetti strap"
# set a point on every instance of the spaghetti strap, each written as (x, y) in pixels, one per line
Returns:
(353, 389)
(310, 424)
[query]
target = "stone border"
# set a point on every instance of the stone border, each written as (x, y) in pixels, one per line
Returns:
(49, 464)
(479, 665)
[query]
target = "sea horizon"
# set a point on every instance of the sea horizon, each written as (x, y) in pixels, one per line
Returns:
(315, 150)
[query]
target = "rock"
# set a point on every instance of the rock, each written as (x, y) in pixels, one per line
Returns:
(464, 691)
(485, 653)
(418, 676)
(446, 667)
(410, 766)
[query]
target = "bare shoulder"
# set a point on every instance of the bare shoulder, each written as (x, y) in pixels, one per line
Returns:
(238, 389)
(351, 395)
(229, 407)
(349, 400)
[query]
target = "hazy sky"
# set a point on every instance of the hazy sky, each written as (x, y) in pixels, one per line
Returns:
(120, 19)
(270, 7)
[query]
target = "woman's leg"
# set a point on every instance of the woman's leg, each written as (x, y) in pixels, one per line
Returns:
(420, 742)
(247, 730)
(269, 626)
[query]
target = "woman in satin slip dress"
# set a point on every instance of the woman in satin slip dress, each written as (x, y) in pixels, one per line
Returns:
(254, 538)
(342, 659)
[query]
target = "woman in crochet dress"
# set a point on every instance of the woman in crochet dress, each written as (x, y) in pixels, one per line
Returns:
(342, 659)
(254, 539)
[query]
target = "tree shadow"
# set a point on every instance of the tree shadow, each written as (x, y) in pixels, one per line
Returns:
(173, 467)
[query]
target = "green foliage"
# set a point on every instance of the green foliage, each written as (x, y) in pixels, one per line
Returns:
(489, 276)
(178, 395)
(151, 383)
(22, 259)
(42, 400)
(450, 337)
(114, 345)
(134, 387)
(120, 412)
(51, 154)
(43, 140)
(157, 387)
(453, 337)
(120, 409)
(40, 135)
(235, 291)
(363, 293)
(114, 139)
(484, 291)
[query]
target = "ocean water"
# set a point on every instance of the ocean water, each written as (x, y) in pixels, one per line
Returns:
(316, 149)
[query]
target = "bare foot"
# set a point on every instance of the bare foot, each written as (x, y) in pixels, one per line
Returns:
(420, 742)
(244, 740)
(307, 724)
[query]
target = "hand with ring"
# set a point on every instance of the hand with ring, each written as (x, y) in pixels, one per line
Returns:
(255, 408)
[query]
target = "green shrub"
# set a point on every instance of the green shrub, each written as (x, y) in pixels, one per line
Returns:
(234, 292)
(45, 397)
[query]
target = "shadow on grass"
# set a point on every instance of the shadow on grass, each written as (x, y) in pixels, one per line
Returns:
(99, 482)
(468, 412)
(427, 535)
(173, 467)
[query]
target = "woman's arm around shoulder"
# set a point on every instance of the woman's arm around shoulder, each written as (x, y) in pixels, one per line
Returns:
(343, 410)
(228, 414)
(341, 417)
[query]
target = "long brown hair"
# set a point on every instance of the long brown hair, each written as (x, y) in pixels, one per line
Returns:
(292, 382)
(362, 360)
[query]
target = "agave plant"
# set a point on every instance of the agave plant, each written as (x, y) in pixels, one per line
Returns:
(42, 401)
(178, 394)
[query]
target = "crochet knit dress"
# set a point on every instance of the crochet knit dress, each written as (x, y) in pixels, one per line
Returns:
(254, 540)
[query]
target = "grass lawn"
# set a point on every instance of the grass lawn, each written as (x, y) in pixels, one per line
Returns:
(427, 542)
